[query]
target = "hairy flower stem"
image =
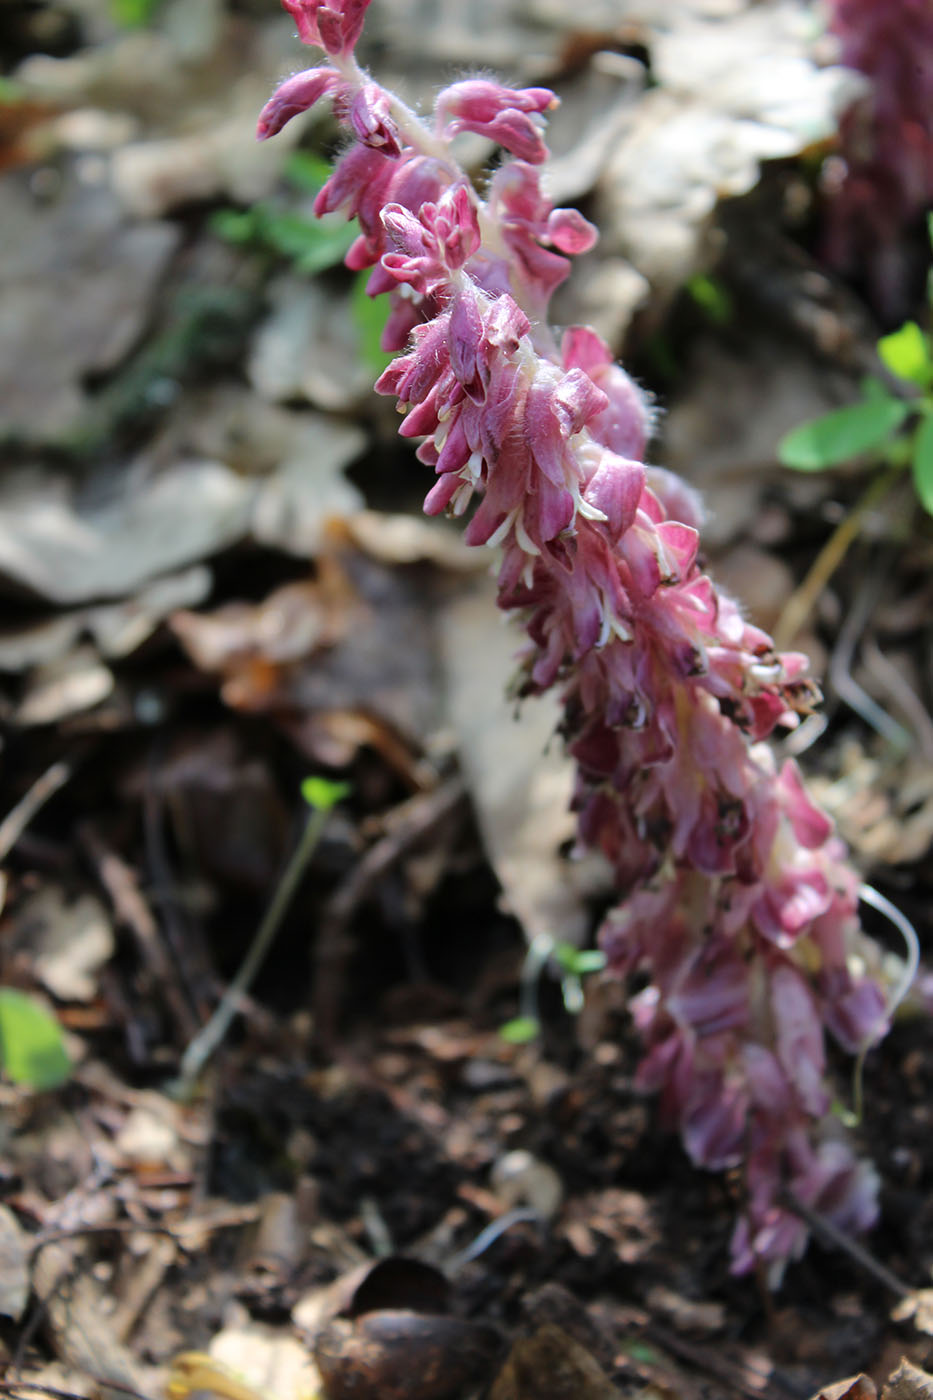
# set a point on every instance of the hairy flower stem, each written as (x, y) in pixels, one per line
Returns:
(737, 908)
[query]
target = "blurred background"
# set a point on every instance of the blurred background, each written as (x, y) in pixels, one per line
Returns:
(215, 580)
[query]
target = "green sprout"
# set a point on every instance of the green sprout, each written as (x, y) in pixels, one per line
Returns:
(321, 795)
(572, 963)
(889, 426)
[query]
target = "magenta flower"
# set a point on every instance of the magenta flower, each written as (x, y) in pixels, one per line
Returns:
(333, 25)
(737, 908)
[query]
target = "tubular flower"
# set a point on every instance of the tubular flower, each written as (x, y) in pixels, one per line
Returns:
(737, 906)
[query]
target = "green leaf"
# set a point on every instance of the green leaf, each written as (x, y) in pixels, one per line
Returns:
(871, 387)
(313, 246)
(307, 172)
(907, 354)
(32, 1046)
(922, 464)
(369, 316)
(322, 794)
(131, 14)
(841, 435)
(521, 1030)
(711, 297)
(579, 961)
(234, 225)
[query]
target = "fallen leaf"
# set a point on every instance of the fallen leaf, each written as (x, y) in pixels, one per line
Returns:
(517, 774)
(107, 544)
(65, 686)
(76, 286)
(908, 1382)
(70, 941)
(687, 1314)
(917, 1308)
(858, 1387)
(309, 348)
(412, 539)
(15, 1266)
(732, 91)
(150, 1135)
(550, 1365)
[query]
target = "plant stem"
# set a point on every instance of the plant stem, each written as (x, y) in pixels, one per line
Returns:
(803, 600)
(210, 1036)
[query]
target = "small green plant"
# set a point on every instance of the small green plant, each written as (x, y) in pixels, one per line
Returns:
(321, 796)
(310, 245)
(572, 965)
(890, 429)
(32, 1045)
(893, 428)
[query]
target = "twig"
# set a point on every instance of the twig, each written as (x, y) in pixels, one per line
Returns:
(869, 895)
(840, 669)
(132, 911)
(141, 1287)
(408, 824)
(162, 890)
(802, 601)
(113, 1227)
(210, 1037)
(831, 1233)
(902, 692)
(32, 802)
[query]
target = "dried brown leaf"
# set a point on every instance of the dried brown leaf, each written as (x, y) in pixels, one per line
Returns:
(908, 1382)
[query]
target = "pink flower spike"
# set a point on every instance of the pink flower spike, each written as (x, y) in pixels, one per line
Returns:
(333, 25)
(297, 94)
(737, 909)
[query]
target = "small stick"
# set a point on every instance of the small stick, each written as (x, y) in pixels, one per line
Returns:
(831, 1233)
(407, 825)
(210, 1037)
(131, 910)
(802, 601)
(32, 802)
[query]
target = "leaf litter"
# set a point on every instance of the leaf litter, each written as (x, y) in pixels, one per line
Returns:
(201, 605)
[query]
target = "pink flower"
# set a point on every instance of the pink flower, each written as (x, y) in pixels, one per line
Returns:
(333, 25)
(297, 94)
(510, 118)
(737, 907)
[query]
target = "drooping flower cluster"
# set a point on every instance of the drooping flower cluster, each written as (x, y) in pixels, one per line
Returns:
(887, 137)
(737, 907)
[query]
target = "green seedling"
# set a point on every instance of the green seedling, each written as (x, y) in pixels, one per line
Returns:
(572, 963)
(321, 795)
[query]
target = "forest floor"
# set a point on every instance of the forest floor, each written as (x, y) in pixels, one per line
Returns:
(216, 582)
